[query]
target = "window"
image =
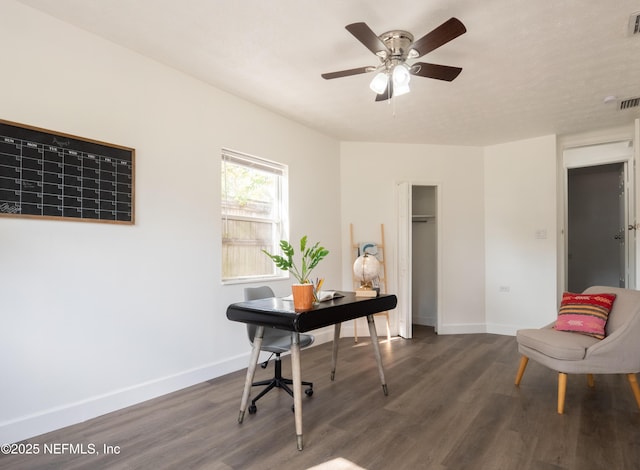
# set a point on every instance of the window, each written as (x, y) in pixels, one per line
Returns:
(254, 215)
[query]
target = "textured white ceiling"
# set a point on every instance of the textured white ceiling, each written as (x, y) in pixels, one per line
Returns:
(530, 68)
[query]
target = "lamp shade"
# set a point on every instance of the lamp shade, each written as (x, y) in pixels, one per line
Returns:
(401, 78)
(379, 82)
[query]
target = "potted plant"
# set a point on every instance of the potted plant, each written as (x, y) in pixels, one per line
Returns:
(303, 294)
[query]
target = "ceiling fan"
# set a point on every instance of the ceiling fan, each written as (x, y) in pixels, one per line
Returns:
(394, 48)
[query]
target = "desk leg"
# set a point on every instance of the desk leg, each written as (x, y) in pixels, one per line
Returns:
(376, 351)
(297, 385)
(251, 370)
(334, 356)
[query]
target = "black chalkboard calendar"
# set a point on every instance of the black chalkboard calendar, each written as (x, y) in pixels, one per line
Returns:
(54, 175)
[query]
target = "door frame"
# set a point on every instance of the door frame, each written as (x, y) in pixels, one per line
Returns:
(620, 151)
(404, 192)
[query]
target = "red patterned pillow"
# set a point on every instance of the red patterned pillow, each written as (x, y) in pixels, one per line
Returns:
(585, 313)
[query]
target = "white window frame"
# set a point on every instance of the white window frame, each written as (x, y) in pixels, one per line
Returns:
(280, 223)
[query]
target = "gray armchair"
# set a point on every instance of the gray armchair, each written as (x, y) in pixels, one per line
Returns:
(574, 353)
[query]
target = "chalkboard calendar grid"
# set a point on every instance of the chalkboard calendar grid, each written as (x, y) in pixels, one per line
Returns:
(54, 175)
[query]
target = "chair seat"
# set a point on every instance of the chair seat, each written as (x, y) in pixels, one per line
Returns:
(281, 343)
(561, 345)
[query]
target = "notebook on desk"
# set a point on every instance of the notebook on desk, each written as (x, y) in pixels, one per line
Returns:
(323, 295)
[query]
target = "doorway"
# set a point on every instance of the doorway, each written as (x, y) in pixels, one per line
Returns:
(424, 254)
(599, 208)
(419, 236)
(595, 230)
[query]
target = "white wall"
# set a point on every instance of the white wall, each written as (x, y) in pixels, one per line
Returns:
(369, 174)
(521, 234)
(94, 316)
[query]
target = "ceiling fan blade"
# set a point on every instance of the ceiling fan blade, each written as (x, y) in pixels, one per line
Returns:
(440, 72)
(388, 93)
(366, 36)
(346, 73)
(450, 29)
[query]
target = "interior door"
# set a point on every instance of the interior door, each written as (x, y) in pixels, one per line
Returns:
(403, 193)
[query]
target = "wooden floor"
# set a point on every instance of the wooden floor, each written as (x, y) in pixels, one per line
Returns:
(451, 405)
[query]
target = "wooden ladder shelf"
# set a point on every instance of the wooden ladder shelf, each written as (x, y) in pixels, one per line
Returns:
(355, 251)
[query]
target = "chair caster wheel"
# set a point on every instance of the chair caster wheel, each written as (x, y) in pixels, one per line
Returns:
(252, 409)
(308, 392)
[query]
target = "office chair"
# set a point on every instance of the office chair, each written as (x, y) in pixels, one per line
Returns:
(276, 342)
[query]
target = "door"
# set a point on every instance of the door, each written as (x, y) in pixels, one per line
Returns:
(404, 259)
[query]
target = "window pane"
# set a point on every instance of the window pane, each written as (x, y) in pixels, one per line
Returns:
(249, 192)
(251, 216)
(242, 249)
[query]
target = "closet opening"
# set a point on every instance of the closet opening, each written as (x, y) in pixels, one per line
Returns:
(424, 256)
(418, 260)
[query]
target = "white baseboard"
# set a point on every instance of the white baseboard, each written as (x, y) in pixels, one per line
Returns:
(470, 328)
(33, 425)
(462, 328)
(505, 330)
(78, 412)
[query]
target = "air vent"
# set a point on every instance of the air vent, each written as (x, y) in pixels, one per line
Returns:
(630, 103)
(634, 23)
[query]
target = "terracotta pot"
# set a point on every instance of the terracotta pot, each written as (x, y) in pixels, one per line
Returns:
(302, 296)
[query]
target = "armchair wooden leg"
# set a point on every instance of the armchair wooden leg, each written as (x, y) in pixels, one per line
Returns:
(524, 360)
(633, 381)
(562, 391)
(590, 382)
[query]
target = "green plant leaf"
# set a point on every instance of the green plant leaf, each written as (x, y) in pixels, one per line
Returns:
(310, 257)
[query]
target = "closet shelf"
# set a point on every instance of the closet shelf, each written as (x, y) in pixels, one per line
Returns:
(422, 217)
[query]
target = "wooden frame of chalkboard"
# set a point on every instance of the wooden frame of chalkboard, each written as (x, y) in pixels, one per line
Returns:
(52, 175)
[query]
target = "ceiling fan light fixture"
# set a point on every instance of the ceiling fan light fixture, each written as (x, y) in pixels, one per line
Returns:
(401, 78)
(379, 82)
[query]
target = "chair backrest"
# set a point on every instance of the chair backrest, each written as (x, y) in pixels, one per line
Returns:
(625, 308)
(255, 293)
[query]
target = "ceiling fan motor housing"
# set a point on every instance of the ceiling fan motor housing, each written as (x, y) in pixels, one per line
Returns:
(398, 42)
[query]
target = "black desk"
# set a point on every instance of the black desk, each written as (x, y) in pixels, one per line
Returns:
(279, 313)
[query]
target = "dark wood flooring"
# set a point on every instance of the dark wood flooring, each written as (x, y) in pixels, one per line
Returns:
(451, 405)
